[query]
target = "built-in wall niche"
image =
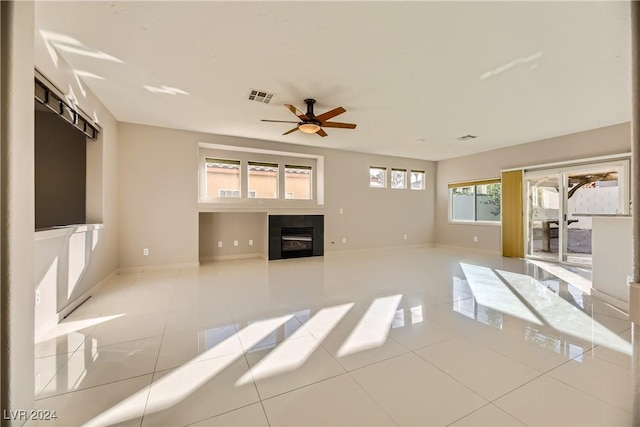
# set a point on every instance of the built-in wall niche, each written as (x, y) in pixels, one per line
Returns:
(230, 235)
(68, 161)
(60, 172)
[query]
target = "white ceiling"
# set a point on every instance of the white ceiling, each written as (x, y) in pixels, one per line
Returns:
(414, 76)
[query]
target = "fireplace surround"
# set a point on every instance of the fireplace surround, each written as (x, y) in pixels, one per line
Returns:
(294, 236)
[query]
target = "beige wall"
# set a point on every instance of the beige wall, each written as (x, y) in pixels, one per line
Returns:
(16, 199)
(81, 259)
(159, 198)
(226, 228)
(592, 143)
(158, 206)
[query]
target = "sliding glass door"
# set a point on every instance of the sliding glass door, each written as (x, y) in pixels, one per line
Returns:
(544, 212)
(560, 203)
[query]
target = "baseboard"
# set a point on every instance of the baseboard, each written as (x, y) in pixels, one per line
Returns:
(231, 257)
(141, 269)
(466, 248)
(376, 248)
(83, 297)
(617, 303)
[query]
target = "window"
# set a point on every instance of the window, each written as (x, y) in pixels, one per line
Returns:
(417, 180)
(228, 193)
(377, 177)
(398, 178)
(476, 201)
(263, 180)
(223, 178)
(248, 179)
(297, 182)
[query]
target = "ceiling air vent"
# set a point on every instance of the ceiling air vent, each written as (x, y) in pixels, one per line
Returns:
(261, 96)
(466, 137)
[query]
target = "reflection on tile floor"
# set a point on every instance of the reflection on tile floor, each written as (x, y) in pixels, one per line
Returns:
(416, 336)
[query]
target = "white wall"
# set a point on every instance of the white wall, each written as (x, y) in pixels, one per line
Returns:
(16, 198)
(159, 197)
(82, 259)
(597, 142)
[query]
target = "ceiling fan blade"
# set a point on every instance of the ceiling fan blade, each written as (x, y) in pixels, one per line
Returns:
(297, 112)
(289, 131)
(321, 133)
(278, 121)
(329, 114)
(338, 125)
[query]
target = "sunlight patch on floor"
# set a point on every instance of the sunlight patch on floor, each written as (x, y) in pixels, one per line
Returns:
(373, 328)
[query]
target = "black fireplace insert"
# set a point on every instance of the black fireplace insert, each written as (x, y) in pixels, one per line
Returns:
(293, 236)
(297, 242)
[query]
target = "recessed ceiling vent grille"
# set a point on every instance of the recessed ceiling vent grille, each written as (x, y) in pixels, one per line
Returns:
(466, 137)
(261, 96)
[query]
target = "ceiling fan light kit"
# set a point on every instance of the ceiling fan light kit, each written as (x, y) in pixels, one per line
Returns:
(309, 127)
(310, 123)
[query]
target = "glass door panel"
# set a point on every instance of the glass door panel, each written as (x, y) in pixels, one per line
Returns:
(543, 222)
(560, 204)
(589, 191)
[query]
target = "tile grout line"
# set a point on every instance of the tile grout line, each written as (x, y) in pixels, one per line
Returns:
(95, 386)
(220, 414)
(71, 354)
(373, 398)
(244, 355)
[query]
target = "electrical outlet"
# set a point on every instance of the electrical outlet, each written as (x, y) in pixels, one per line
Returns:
(145, 252)
(250, 242)
(219, 243)
(235, 243)
(341, 211)
(344, 240)
(405, 237)
(475, 238)
(37, 296)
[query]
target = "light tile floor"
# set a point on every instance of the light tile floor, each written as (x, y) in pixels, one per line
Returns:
(416, 336)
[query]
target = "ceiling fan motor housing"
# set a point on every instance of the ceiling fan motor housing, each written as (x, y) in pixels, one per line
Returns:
(310, 123)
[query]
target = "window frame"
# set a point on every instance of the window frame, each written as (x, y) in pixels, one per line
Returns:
(221, 160)
(474, 184)
(384, 176)
(404, 179)
(284, 180)
(424, 178)
(255, 193)
(207, 152)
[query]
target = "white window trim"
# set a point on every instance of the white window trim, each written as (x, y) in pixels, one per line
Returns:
(246, 154)
(451, 220)
(424, 179)
(404, 182)
(385, 178)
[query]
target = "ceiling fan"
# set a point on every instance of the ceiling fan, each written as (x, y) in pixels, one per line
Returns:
(310, 123)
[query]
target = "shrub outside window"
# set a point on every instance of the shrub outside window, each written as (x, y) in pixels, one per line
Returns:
(377, 177)
(476, 201)
(263, 180)
(223, 178)
(417, 180)
(297, 182)
(398, 178)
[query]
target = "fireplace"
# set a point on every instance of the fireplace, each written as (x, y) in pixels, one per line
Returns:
(297, 242)
(293, 236)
